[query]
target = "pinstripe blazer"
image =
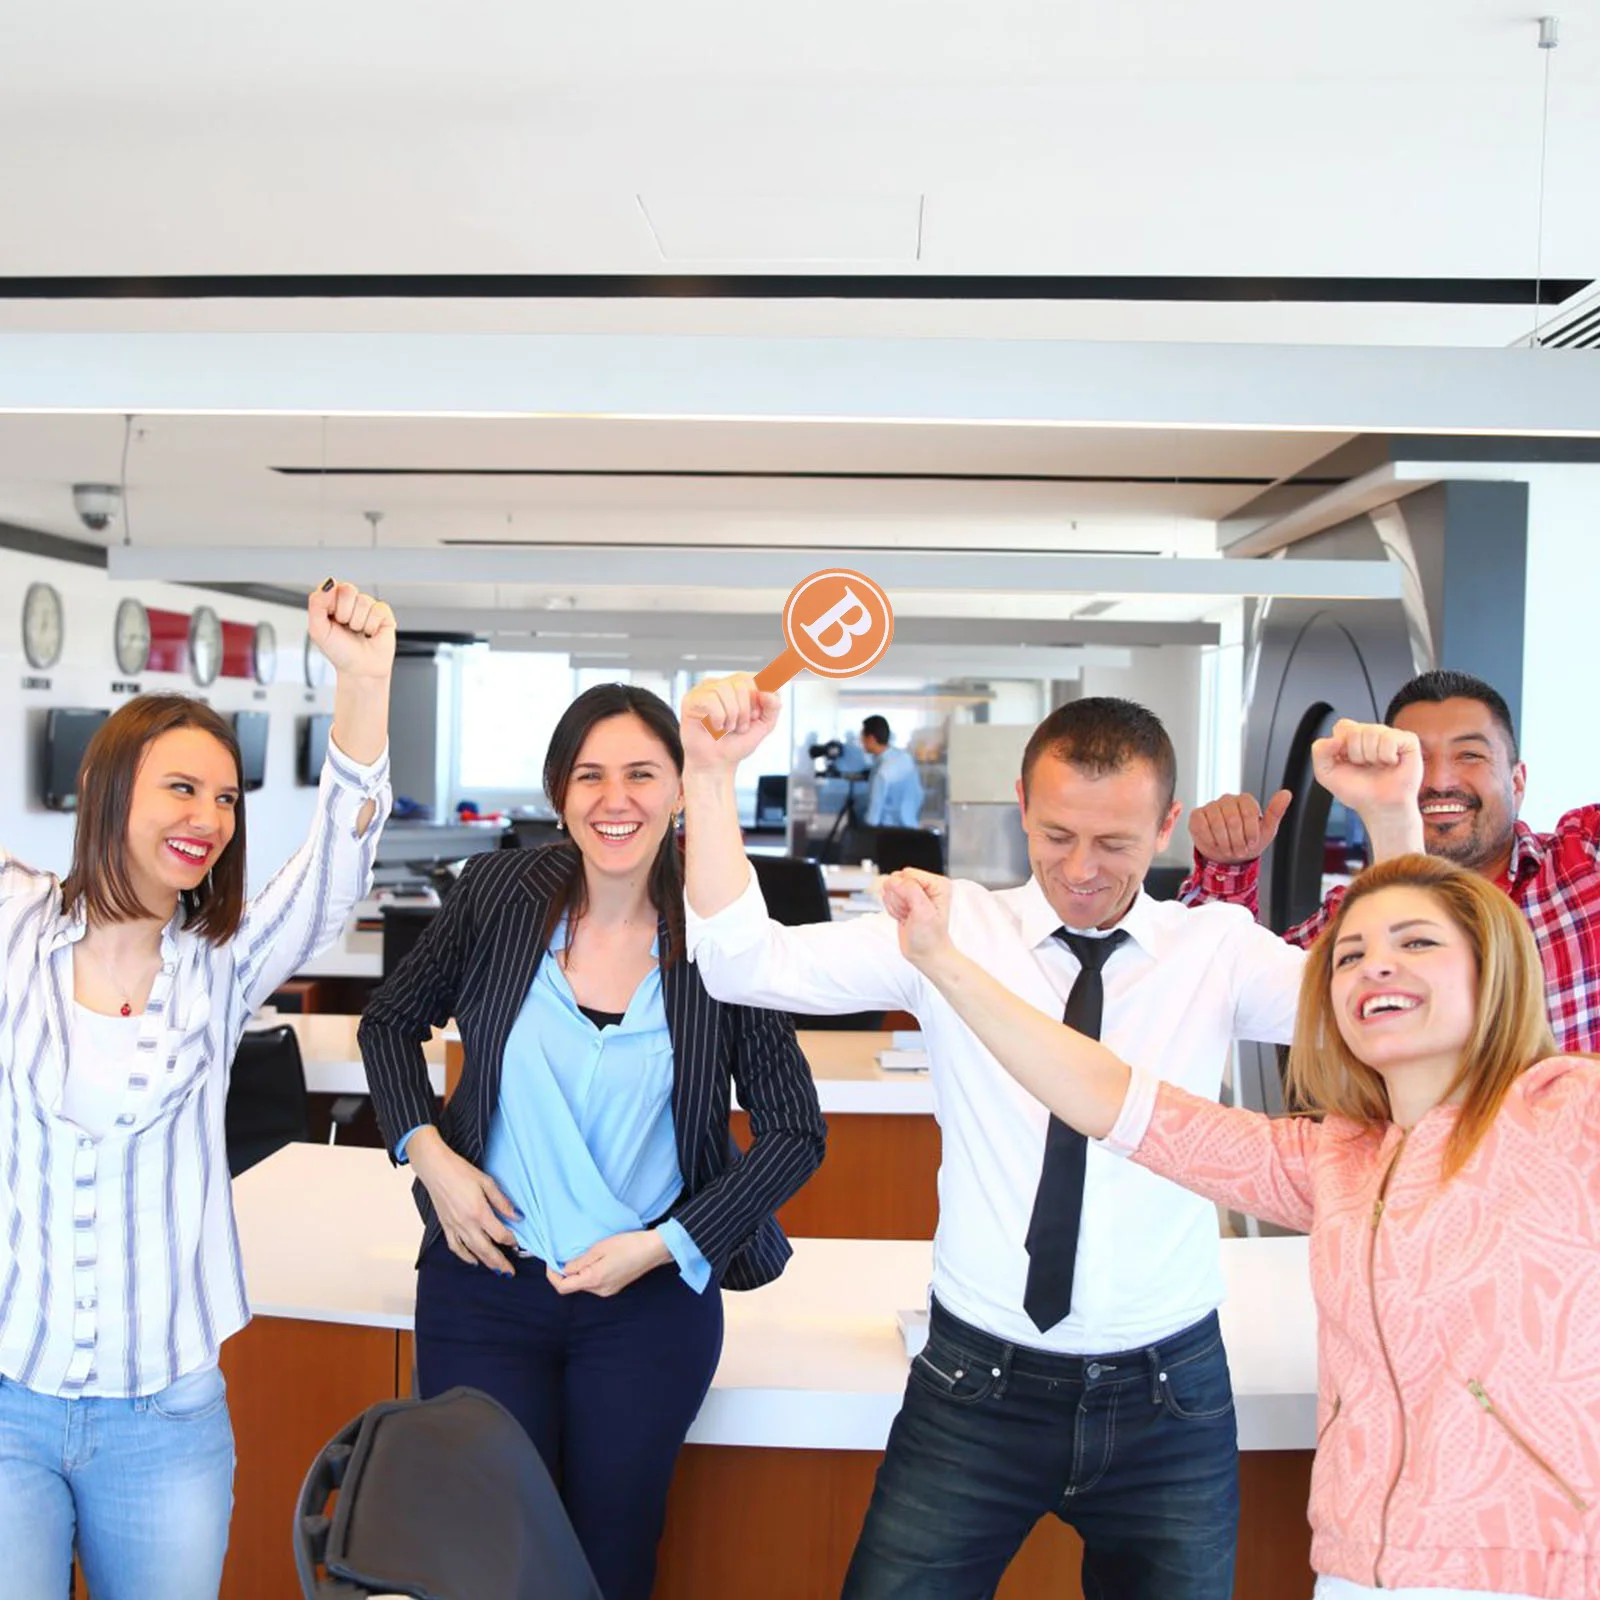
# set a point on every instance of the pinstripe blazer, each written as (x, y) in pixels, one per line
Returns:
(476, 962)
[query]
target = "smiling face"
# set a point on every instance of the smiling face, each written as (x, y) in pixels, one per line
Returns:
(181, 815)
(1471, 788)
(621, 796)
(1092, 837)
(1404, 986)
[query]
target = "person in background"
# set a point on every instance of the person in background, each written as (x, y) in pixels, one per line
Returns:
(1074, 1365)
(1460, 803)
(1446, 1175)
(584, 1206)
(126, 988)
(894, 796)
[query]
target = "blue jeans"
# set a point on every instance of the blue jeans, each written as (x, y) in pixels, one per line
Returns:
(1136, 1450)
(145, 1487)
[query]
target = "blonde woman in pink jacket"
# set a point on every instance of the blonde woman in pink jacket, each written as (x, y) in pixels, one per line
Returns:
(1451, 1188)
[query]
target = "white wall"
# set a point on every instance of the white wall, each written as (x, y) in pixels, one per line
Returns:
(277, 814)
(1558, 656)
(1166, 680)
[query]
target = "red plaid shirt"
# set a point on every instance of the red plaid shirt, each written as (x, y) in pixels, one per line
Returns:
(1554, 877)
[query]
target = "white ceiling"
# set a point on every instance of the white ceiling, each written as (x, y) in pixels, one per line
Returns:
(210, 481)
(1062, 139)
(1245, 138)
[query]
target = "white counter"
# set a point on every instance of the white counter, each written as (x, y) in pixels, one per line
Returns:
(844, 1065)
(814, 1360)
(356, 954)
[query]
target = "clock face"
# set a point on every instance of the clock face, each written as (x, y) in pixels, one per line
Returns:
(42, 626)
(265, 654)
(205, 646)
(319, 670)
(132, 637)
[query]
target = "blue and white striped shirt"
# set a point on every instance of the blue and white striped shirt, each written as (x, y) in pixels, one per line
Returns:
(119, 1261)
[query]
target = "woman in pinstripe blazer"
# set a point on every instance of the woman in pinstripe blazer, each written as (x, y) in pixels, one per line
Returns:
(582, 1198)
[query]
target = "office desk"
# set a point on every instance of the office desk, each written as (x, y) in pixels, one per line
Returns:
(783, 1452)
(355, 954)
(877, 1182)
(332, 1058)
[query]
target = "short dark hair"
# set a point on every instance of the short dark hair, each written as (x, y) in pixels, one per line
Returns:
(1432, 688)
(876, 727)
(600, 704)
(99, 872)
(1102, 735)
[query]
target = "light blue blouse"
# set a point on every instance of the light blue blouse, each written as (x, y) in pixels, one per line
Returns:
(582, 1141)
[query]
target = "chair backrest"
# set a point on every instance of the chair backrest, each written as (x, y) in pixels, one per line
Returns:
(530, 833)
(793, 889)
(1163, 883)
(442, 1497)
(895, 848)
(266, 1105)
(402, 927)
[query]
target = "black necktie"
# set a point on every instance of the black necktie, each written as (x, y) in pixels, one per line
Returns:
(1053, 1228)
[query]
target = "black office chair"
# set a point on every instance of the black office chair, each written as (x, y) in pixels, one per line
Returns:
(444, 1498)
(402, 927)
(530, 833)
(1163, 883)
(895, 848)
(796, 894)
(793, 888)
(266, 1105)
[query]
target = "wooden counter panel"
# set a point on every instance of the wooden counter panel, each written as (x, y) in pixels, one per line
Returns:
(792, 1516)
(291, 1386)
(879, 1180)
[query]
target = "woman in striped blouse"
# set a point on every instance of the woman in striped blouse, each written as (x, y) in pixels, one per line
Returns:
(126, 988)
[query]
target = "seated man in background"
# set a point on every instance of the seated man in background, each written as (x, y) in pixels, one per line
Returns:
(1463, 806)
(894, 797)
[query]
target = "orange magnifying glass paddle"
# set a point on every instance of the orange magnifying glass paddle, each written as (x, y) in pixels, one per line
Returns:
(836, 623)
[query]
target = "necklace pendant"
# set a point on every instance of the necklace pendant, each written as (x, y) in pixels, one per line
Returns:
(127, 1009)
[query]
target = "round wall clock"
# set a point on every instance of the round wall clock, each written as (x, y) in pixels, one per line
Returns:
(264, 655)
(43, 626)
(318, 669)
(131, 637)
(205, 646)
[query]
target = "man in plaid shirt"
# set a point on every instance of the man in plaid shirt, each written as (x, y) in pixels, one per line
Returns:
(1462, 805)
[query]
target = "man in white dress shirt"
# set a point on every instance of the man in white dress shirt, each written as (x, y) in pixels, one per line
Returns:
(1074, 1365)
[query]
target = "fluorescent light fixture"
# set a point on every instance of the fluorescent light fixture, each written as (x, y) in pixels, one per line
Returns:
(697, 570)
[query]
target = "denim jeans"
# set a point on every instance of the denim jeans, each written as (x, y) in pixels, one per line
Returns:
(145, 1487)
(606, 1388)
(1137, 1450)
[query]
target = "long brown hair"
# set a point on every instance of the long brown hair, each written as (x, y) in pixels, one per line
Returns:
(599, 704)
(1510, 1031)
(99, 875)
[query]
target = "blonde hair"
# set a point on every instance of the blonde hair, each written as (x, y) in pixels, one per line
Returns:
(1510, 1031)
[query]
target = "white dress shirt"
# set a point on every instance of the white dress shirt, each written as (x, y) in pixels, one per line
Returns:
(1189, 981)
(119, 1262)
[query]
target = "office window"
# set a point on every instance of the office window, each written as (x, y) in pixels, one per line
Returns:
(510, 704)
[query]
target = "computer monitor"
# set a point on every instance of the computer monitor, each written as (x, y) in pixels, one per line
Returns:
(66, 736)
(250, 729)
(772, 801)
(314, 731)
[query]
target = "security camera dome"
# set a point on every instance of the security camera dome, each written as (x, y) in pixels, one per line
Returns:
(96, 504)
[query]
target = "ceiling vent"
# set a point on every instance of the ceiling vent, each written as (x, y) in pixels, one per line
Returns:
(1576, 326)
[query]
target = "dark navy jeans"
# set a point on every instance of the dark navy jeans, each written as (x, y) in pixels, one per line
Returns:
(1136, 1450)
(606, 1388)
